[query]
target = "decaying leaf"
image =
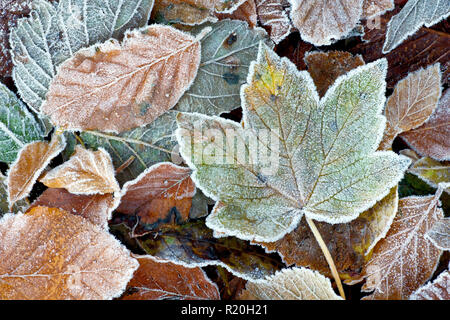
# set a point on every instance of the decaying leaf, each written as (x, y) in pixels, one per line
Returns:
(373, 8)
(404, 260)
(349, 243)
(326, 67)
(86, 172)
(31, 162)
(291, 284)
(49, 254)
(226, 55)
(414, 15)
(413, 101)
(193, 244)
(439, 234)
(273, 14)
(19, 206)
(245, 12)
(322, 22)
(54, 32)
(325, 165)
(161, 194)
(431, 139)
(116, 87)
(17, 126)
(158, 279)
(431, 171)
(439, 289)
(96, 208)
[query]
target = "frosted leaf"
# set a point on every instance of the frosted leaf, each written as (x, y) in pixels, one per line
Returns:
(439, 289)
(49, 254)
(54, 32)
(349, 243)
(431, 171)
(321, 22)
(373, 8)
(116, 87)
(439, 234)
(405, 259)
(17, 126)
(291, 284)
(328, 176)
(245, 12)
(431, 139)
(226, 55)
(32, 160)
(145, 145)
(412, 17)
(412, 103)
(86, 172)
(326, 67)
(161, 194)
(158, 279)
(96, 208)
(20, 205)
(273, 14)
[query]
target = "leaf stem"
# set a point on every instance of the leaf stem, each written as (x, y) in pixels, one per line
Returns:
(327, 255)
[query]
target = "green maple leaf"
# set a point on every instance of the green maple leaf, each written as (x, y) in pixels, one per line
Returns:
(324, 162)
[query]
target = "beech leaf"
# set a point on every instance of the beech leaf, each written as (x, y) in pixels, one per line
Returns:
(158, 279)
(413, 101)
(116, 87)
(17, 126)
(439, 289)
(158, 192)
(96, 208)
(86, 172)
(322, 22)
(30, 163)
(20, 205)
(325, 167)
(404, 260)
(49, 254)
(412, 17)
(439, 234)
(291, 284)
(272, 14)
(431, 139)
(373, 8)
(54, 32)
(245, 12)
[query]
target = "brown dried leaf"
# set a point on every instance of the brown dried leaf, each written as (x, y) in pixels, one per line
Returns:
(326, 67)
(439, 289)
(405, 259)
(160, 194)
(95, 208)
(245, 12)
(323, 22)
(273, 15)
(291, 284)
(116, 87)
(87, 172)
(158, 279)
(50, 254)
(412, 103)
(348, 243)
(373, 8)
(31, 161)
(431, 139)
(439, 234)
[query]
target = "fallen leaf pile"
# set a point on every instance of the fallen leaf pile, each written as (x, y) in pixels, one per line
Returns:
(225, 149)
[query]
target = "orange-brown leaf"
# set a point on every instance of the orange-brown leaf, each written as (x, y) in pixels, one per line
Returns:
(31, 161)
(115, 87)
(373, 8)
(432, 138)
(96, 208)
(50, 254)
(272, 14)
(404, 260)
(245, 12)
(158, 279)
(86, 172)
(158, 193)
(326, 67)
(439, 289)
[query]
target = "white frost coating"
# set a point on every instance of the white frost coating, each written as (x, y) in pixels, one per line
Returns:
(412, 17)
(48, 158)
(439, 289)
(271, 13)
(439, 234)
